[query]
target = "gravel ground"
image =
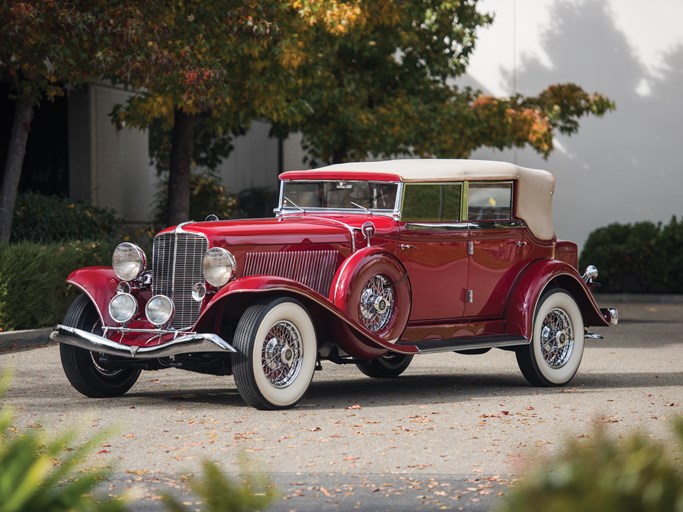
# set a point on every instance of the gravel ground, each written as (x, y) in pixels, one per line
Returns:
(450, 434)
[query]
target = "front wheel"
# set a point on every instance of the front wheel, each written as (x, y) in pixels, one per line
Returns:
(276, 354)
(83, 368)
(554, 354)
(388, 366)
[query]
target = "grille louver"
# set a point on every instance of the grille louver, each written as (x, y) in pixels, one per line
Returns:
(314, 269)
(176, 266)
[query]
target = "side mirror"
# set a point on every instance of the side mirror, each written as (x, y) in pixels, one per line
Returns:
(368, 230)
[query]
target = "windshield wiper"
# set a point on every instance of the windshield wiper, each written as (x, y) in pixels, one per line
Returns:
(287, 199)
(361, 207)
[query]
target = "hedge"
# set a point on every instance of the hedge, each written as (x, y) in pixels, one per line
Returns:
(643, 257)
(33, 291)
(48, 219)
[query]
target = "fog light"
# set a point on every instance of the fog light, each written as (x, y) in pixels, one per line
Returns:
(159, 310)
(123, 307)
(198, 292)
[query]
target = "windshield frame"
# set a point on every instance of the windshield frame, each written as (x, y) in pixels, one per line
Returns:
(286, 209)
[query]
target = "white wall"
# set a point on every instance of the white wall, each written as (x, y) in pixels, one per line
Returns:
(626, 166)
(109, 167)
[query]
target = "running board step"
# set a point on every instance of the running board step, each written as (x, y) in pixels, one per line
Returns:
(466, 343)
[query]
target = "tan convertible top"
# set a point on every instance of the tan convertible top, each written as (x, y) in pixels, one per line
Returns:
(535, 187)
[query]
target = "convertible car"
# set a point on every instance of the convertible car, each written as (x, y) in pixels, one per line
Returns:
(367, 263)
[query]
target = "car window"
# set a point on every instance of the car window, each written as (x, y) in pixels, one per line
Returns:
(431, 202)
(335, 195)
(489, 201)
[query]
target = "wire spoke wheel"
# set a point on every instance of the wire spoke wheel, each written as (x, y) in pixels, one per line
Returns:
(276, 353)
(377, 303)
(554, 354)
(557, 338)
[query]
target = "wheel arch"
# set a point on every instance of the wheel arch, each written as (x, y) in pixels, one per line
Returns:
(536, 279)
(232, 300)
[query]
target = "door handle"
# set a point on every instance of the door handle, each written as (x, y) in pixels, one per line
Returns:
(407, 246)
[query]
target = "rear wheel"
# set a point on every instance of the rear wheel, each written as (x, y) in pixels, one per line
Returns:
(84, 369)
(386, 367)
(276, 354)
(554, 354)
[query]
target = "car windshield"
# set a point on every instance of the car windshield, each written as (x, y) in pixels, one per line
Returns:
(336, 195)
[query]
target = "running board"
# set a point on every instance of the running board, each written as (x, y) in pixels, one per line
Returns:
(466, 343)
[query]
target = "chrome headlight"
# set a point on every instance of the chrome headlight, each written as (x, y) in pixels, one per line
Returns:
(159, 310)
(128, 261)
(123, 307)
(219, 266)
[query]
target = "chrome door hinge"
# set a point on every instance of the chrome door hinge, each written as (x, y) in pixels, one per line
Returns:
(470, 248)
(470, 296)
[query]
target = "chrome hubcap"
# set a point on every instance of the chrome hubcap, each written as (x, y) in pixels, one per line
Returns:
(282, 354)
(376, 303)
(557, 338)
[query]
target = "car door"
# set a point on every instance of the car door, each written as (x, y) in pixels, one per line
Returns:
(498, 247)
(433, 249)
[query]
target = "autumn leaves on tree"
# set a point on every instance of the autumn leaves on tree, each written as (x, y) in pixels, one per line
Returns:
(356, 78)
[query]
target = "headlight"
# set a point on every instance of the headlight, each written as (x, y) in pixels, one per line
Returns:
(159, 310)
(123, 307)
(218, 266)
(128, 261)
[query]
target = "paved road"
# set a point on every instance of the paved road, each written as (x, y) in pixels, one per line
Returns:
(448, 435)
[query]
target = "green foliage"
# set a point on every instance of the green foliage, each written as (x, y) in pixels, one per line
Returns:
(39, 474)
(207, 196)
(637, 258)
(220, 493)
(32, 288)
(48, 219)
(604, 475)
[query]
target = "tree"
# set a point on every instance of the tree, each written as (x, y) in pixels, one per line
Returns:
(40, 50)
(385, 88)
(45, 46)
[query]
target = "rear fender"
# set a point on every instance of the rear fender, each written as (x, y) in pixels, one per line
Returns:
(536, 278)
(236, 296)
(99, 285)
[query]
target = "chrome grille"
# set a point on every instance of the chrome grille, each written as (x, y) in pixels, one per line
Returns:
(314, 269)
(176, 266)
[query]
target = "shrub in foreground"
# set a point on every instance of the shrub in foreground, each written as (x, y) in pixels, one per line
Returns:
(604, 475)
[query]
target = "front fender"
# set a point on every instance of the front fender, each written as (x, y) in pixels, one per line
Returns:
(243, 292)
(99, 284)
(530, 285)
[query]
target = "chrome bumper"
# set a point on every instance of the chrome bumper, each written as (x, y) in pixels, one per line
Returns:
(611, 315)
(186, 344)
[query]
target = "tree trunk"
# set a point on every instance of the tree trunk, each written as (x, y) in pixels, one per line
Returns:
(182, 147)
(21, 125)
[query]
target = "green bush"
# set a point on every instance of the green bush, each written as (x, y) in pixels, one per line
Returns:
(603, 475)
(33, 292)
(39, 474)
(637, 258)
(48, 219)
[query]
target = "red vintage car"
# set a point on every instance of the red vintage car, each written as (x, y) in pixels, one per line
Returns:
(366, 263)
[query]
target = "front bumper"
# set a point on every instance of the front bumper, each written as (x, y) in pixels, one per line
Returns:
(186, 344)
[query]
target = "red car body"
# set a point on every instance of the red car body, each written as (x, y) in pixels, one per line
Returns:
(366, 263)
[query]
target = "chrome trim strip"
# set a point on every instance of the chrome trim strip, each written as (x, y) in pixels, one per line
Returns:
(187, 344)
(437, 226)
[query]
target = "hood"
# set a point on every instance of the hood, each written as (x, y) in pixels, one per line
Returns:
(289, 229)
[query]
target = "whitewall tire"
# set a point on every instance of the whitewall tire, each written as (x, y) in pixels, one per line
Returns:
(554, 354)
(276, 354)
